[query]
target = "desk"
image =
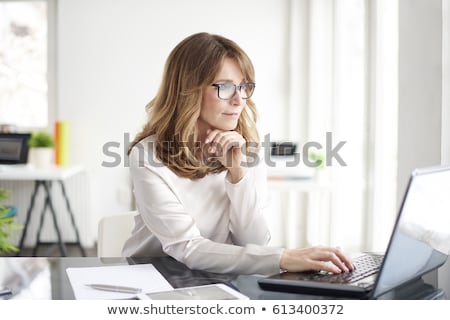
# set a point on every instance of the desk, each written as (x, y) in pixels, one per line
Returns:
(50, 274)
(44, 178)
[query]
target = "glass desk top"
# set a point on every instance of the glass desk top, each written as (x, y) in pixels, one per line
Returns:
(46, 278)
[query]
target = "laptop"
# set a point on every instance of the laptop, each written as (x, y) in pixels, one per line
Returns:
(419, 243)
(14, 148)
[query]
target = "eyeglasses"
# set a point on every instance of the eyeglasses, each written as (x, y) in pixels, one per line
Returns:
(227, 90)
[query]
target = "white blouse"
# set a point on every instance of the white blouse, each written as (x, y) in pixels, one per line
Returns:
(208, 224)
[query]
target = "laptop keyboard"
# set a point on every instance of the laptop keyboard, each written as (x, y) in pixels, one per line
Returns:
(366, 265)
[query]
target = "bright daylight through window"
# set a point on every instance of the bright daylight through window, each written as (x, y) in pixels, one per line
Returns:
(23, 64)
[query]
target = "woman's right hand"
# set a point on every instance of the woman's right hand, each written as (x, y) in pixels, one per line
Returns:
(227, 146)
(330, 259)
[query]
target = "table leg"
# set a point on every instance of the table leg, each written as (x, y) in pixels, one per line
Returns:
(49, 204)
(41, 224)
(62, 248)
(72, 219)
(27, 220)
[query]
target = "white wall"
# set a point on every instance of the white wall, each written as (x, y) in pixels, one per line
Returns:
(444, 272)
(421, 131)
(110, 59)
(420, 65)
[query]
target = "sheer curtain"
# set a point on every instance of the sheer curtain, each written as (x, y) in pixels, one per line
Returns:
(342, 80)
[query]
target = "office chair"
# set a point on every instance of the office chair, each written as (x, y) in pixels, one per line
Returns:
(113, 231)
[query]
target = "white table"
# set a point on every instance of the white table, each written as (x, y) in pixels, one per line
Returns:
(44, 178)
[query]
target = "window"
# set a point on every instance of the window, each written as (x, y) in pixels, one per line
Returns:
(24, 89)
(346, 84)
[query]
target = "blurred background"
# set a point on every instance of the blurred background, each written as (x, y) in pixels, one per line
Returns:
(374, 75)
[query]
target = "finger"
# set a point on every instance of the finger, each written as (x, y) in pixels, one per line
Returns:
(233, 140)
(216, 135)
(226, 140)
(219, 138)
(211, 135)
(325, 266)
(219, 144)
(213, 148)
(338, 263)
(331, 256)
(345, 259)
(229, 141)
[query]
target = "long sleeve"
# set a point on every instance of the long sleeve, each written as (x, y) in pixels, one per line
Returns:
(249, 199)
(202, 239)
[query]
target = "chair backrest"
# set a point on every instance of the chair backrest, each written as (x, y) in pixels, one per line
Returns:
(113, 231)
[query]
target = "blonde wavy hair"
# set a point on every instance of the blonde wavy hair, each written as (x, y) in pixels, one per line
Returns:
(173, 112)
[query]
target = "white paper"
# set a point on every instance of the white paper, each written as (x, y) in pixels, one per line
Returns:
(143, 276)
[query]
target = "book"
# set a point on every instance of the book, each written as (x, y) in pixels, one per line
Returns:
(62, 141)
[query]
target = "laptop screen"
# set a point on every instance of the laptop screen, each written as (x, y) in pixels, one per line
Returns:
(14, 148)
(421, 240)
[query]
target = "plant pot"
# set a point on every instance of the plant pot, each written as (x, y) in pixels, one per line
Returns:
(41, 158)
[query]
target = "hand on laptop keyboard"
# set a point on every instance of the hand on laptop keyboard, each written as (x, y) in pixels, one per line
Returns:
(366, 265)
(331, 259)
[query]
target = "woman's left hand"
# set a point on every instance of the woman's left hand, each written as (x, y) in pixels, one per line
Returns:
(226, 146)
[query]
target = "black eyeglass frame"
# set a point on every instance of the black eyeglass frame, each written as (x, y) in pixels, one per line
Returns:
(236, 88)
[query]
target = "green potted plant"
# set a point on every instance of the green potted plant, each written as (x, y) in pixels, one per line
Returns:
(319, 158)
(41, 145)
(7, 225)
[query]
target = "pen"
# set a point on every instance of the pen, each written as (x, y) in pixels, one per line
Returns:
(114, 288)
(5, 292)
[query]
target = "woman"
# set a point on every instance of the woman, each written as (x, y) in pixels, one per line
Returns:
(199, 183)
